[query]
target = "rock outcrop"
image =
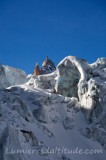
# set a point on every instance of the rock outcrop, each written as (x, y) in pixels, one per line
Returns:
(37, 70)
(47, 67)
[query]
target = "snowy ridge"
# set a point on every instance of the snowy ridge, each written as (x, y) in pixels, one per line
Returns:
(10, 76)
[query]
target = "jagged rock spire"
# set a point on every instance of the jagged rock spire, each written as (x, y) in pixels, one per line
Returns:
(37, 69)
(47, 61)
(47, 67)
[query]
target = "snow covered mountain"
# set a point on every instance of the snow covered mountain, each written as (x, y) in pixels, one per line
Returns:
(57, 116)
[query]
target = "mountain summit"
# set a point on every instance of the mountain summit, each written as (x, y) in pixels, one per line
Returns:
(47, 67)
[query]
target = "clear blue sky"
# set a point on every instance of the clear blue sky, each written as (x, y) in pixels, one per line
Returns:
(32, 29)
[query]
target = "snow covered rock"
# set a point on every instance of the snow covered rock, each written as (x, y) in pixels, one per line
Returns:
(47, 66)
(46, 81)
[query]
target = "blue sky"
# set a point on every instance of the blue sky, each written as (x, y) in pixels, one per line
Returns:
(32, 29)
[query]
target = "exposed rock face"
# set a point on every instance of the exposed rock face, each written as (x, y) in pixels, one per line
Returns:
(47, 67)
(47, 61)
(66, 108)
(37, 70)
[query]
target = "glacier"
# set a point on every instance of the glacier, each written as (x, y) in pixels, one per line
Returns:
(65, 110)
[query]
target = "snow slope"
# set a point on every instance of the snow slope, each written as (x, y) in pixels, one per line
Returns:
(35, 119)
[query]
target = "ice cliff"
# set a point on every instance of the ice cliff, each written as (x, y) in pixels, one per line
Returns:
(63, 109)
